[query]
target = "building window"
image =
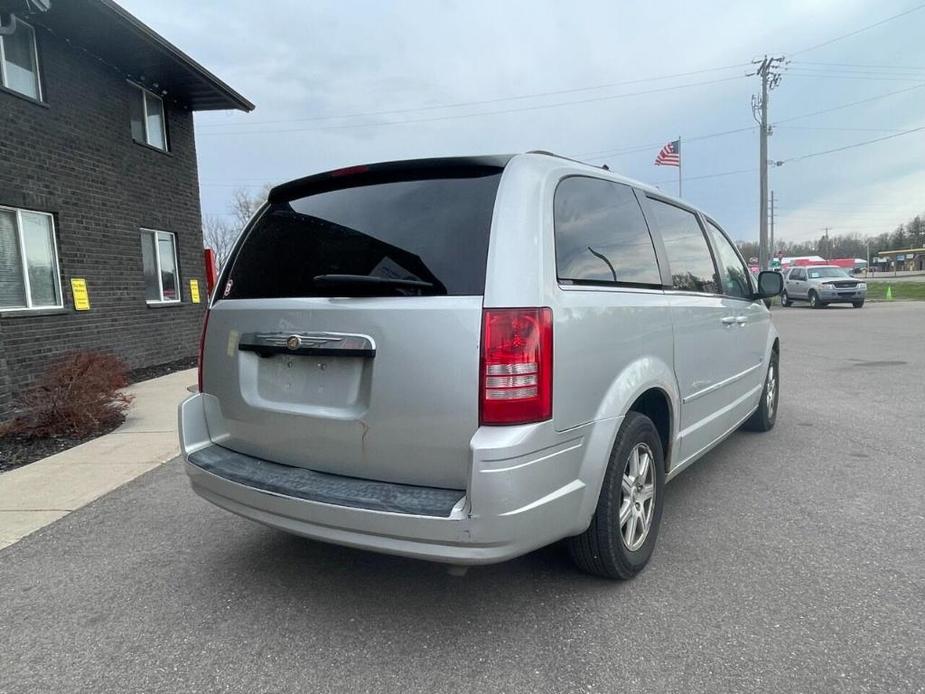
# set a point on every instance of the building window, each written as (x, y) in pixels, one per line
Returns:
(29, 276)
(148, 122)
(159, 257)
(19, 63)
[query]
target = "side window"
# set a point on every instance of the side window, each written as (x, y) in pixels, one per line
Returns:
(19, 68)
(601, 234)
(688, 253)
(159, 259)
(732, 271)
(147, 118)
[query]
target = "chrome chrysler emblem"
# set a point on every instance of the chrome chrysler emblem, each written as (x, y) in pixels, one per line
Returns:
(294, 342)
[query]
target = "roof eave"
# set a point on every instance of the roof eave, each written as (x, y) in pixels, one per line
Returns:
(236, 100)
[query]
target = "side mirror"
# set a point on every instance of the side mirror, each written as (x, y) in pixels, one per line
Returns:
(770, 284)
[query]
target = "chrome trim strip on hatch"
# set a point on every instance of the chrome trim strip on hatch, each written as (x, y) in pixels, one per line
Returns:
(320, 344)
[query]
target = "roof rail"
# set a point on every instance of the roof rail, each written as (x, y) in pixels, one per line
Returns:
(559, 156)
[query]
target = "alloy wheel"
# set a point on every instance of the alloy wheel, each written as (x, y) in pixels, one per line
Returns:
(637, 497)
(771, 391)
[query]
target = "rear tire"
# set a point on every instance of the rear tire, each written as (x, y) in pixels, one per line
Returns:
(857, 304)
(603, 549)
(814, 301)
(764, 417)
(785, 299)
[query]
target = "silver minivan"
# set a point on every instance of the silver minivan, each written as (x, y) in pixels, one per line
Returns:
(466, 359)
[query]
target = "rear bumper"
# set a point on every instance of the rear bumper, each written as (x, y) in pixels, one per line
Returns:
(529, 486)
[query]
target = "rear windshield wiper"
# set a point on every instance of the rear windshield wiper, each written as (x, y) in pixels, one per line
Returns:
(370, 281)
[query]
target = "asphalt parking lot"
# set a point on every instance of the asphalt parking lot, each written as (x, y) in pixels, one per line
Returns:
(791, 561)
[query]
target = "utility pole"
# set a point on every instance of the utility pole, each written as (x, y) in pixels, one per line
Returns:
(772, 224)
(768, 70)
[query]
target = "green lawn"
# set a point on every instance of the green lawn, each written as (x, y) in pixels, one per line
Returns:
(902, 291)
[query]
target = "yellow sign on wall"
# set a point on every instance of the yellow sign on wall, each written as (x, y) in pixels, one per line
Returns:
(81, 295)
(194, 290)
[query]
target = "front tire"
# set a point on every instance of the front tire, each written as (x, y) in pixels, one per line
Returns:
(764, 417)
(814, 301)
(785, 299)
(624, 528)
(858, 304)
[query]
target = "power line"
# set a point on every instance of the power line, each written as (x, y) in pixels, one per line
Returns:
(712, 175)
(482, 113)
(858, 31)
(857, 65)
(891, 74)
(852, 146)
(483, 102)
(851, 103)
(854, 77)
(630, 149)
(809, 127)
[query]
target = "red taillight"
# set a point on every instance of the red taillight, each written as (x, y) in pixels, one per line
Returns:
(202, 344)
(515, 378)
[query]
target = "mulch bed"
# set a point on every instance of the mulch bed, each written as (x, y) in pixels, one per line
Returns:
(150, 372)
(16, 451)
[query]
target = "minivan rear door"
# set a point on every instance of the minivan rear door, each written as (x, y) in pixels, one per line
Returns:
(346, 335)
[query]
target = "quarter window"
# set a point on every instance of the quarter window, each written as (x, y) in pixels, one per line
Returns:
(159, 260)
(732, 271)
(147, 118)
(29, 276)
(19, 69)
(688, 253)
(601, 234)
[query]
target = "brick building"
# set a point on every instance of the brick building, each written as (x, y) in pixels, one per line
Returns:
(98, 188)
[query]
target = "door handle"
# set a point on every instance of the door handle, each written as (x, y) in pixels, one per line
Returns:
(729, 320)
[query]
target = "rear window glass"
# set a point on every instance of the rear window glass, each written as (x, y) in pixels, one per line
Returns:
(409, 237)
(601, 234)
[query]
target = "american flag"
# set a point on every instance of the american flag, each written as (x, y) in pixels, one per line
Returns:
(670, 155)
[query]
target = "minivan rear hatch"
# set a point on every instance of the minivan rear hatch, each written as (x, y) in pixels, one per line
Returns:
(344, 337)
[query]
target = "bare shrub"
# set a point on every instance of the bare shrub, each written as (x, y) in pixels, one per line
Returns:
(78, 396)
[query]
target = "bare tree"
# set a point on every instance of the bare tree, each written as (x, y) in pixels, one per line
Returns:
(219, 232)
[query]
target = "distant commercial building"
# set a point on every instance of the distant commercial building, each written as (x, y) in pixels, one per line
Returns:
(907, 260)
(100, 221)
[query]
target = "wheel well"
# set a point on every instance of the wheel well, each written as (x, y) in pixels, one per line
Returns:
(655, 405)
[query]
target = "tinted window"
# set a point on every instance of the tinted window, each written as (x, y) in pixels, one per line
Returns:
(601, 234)
(732, 271)
(431, 231)
(688, 254)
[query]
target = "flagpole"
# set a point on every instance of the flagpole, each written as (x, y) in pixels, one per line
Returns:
(679, 166)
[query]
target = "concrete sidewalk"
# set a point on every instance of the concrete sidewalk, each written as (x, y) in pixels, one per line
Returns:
(40, 493)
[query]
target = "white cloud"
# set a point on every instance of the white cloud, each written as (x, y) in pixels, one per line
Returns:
(300, 60)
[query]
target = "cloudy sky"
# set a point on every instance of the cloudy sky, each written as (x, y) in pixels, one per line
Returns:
(346, 82)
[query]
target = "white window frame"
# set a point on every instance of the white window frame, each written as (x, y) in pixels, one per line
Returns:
(144, 117)
(157, 264)
(35, 57)
(25, 263)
